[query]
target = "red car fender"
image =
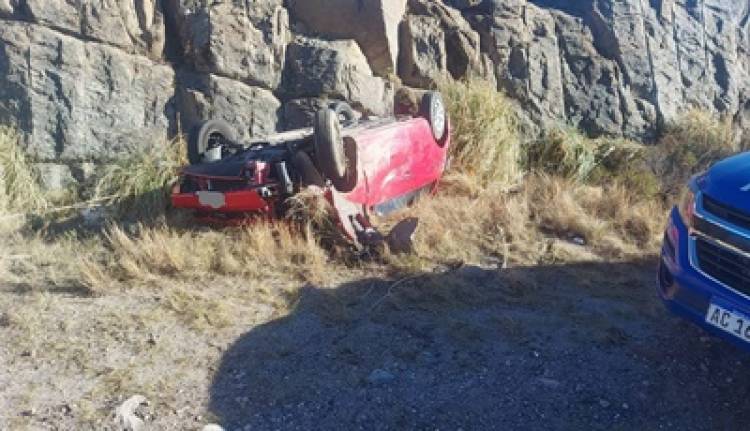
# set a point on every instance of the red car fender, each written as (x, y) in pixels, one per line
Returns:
(396, 159)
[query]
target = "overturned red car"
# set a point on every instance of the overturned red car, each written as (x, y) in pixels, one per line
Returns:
(362, 165)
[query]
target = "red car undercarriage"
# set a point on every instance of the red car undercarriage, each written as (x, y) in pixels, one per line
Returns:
(361, 166)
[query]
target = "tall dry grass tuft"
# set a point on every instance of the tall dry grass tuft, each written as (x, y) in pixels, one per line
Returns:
(486, 139)
(261, 250)
(139, 183)
(516, 227)
(467, 224)
(612, 219)
(690, 145)
(19, 185)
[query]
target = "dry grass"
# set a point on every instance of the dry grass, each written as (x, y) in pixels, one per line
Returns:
(258, 251)
(611, 219)
(139, 184)
(593, 191)
(510, 228)
(19, 185)
(486, 138)
(568, 153)
(691, 145)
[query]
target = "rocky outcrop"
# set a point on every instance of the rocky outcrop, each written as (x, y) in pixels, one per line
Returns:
(438, 43)
(245, 41)
(618, 67)
(338, 69)
(372, 23)
(80, 101)
(135, 27)
(88, 80)
(253, 111)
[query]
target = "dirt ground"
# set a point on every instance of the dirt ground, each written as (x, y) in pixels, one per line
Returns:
(555, 346)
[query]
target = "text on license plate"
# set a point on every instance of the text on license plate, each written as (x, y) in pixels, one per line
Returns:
(734, 323)
(213, 200)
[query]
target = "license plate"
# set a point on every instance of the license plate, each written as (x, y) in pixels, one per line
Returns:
(213, 200)
(729, 321)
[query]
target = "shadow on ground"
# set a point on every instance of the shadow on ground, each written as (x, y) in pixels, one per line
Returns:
(579, 346)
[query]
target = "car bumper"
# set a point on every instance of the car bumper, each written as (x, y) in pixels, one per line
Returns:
(686, 291)
(240, 201)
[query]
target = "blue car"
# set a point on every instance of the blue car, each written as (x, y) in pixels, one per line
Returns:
(704, 272)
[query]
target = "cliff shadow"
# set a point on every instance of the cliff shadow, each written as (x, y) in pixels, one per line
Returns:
(571, 346)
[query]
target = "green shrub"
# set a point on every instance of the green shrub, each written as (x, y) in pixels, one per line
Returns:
(569, 154)
(564, 152)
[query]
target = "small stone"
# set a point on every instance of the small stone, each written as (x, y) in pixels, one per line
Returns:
(604, 403)
(401, 237)
(212, 427)
(379, 376)
(625, 406)
(127, 415)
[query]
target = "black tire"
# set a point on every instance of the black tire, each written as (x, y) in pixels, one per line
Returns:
(337, 161)
(204, 135)
(433, 109)
(344, 112)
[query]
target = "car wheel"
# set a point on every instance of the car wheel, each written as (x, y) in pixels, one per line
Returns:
(337, 159)
(433, 109)
(206, 136)
(344, 112)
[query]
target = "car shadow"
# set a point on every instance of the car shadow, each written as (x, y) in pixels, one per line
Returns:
(573, 346)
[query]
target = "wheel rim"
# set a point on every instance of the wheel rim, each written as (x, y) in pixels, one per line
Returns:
(338, 146)
(438, 116)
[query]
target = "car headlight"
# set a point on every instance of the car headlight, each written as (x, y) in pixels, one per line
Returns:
(686, 207)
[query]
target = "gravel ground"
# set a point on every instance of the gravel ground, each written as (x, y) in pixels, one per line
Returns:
(559, 347)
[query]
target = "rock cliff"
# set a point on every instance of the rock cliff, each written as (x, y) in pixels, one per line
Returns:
(87, 80)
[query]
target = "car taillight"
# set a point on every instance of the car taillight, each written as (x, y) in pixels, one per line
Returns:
(687, 207)
(248, 171)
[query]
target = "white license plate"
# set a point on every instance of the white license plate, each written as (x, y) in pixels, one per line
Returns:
(728, 321)
(214, 200)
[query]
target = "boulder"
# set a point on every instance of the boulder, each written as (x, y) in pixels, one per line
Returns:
(338, 70)
(592, 84)
(136, 27)
(252, 111)
(372, 23)
(464, 4)
(7, 8)
(55, 177)
(423, 57)
(437, 42)
(241, 40)
(80, 101)
(523, 47)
